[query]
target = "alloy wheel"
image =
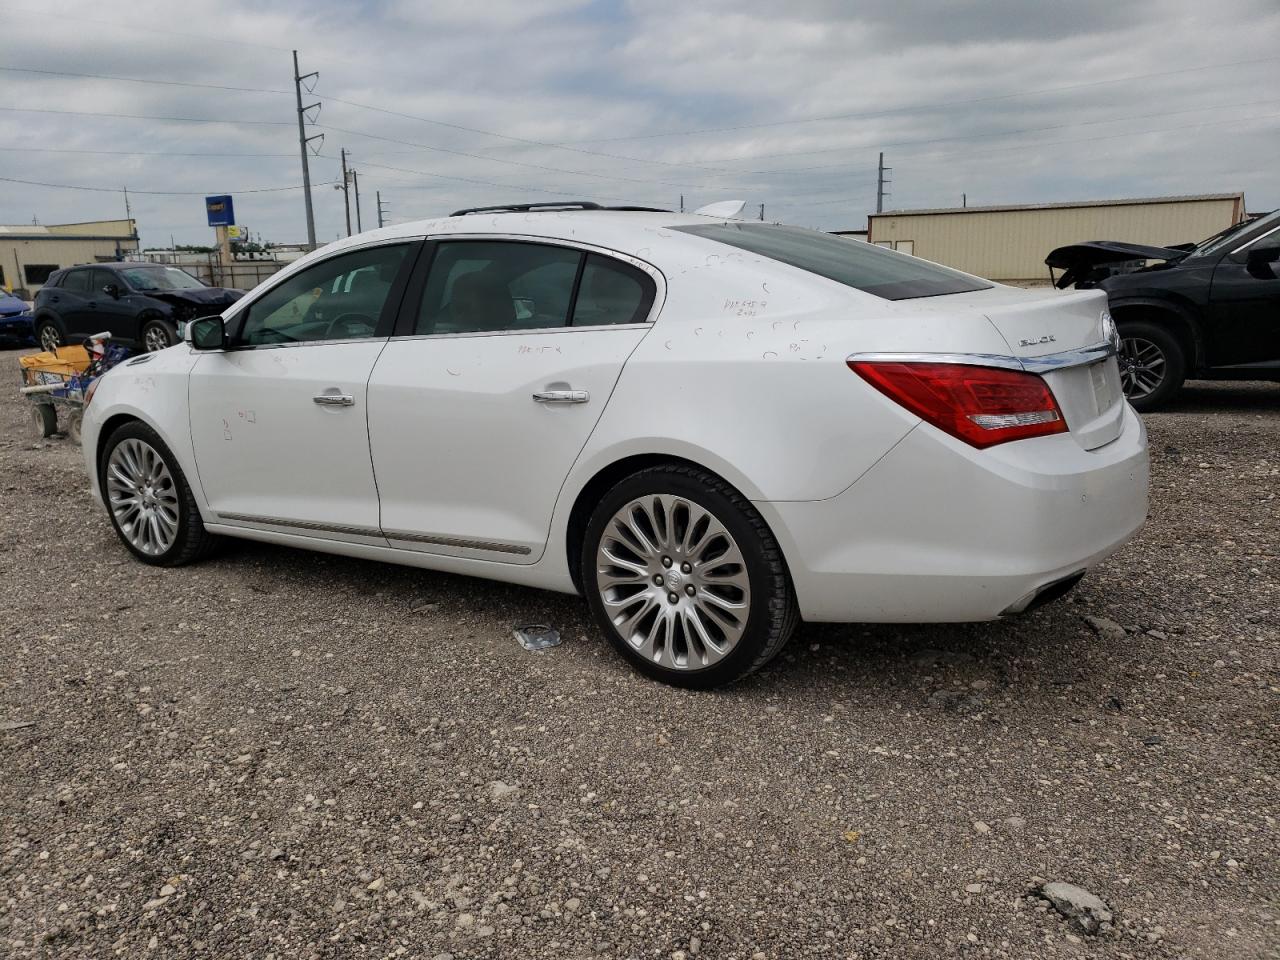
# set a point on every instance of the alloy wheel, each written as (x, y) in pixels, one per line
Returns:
(1142, 366)
(673, 582)
(49, 338)
(142, 496)
(156, 338)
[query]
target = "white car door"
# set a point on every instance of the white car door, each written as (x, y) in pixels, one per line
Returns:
(505, 358)
(278, 420)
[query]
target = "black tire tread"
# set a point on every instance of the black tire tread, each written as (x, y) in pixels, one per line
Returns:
(194, 541)
(782, 610)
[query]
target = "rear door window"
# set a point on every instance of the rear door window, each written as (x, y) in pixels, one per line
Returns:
(77, 281)
(482, 286)
(610, 293)
(863, 266)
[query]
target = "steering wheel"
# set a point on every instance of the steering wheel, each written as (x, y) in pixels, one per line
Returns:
(350, 325)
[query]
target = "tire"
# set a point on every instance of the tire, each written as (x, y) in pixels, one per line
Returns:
(48, 335)
(74, 422)
(680, 632)
(157, 335)
(44, 420)
(128, 467)
(1153, 364)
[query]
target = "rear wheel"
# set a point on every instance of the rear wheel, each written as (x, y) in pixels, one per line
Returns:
(148, 499)
(158, 334)
(49, 335)
(44, 420)
(686, 579)
(1152, 364)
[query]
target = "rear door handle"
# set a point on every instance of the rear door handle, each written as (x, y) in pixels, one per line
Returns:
(334, 399)
(562, 396)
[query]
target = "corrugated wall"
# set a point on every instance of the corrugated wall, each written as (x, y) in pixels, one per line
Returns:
(53, 251)
(1012, 244)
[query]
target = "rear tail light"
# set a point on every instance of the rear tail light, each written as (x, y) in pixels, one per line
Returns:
(982, 406)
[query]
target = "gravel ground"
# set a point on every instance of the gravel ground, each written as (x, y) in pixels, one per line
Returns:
(281, 754)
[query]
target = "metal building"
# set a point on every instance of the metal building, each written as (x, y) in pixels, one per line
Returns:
(30, 252)
(1010, 243)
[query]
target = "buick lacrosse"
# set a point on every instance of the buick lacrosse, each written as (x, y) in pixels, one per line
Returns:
(711, 428)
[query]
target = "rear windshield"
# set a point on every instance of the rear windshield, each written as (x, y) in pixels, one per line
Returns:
(892, 276)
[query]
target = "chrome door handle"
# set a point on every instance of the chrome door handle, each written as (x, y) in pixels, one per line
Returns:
(334, 399)
(562, 396)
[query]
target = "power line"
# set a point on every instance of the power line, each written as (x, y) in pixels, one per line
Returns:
(144, 116)
(164, 83)
(153, 193)
(978, 136)
(517, 163)
(145, 153)
(932, 105)
(488, 183)
(149, 28)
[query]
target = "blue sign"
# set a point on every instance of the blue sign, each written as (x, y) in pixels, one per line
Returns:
(220, 210)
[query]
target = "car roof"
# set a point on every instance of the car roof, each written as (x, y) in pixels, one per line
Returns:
(633, 232)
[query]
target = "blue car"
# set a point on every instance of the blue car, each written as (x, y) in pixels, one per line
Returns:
(16, 326)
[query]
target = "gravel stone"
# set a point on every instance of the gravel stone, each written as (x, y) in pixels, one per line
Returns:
(1089, 912)
(666, 815)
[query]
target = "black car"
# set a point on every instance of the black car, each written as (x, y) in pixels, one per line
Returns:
(1207, 311)
(139, 303)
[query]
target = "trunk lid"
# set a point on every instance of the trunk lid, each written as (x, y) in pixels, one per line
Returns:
(1039, 330)
(1038, 327)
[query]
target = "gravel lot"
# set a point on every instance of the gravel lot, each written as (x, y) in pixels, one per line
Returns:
(281, 754)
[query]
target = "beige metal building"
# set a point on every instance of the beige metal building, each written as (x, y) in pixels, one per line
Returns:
(1010, 243)
(29, 253)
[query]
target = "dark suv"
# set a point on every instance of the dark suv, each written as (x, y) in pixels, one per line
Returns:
(139, 303)
(1206, 311)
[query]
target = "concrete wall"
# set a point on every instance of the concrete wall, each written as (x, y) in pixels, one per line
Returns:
(1010, 243)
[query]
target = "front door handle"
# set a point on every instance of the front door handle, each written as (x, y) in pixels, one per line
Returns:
(562, 396)
(334, 399)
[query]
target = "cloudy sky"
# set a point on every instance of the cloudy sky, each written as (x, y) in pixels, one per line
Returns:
(450, 103)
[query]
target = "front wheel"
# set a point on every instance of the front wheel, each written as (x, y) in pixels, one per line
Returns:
(148, 499)
(1152, 364)
(686, 579)
(158, 334)
(49, 336)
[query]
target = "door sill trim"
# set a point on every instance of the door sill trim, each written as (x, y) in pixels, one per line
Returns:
(392, 536)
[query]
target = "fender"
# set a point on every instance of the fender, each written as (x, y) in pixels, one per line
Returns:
(1184, 312)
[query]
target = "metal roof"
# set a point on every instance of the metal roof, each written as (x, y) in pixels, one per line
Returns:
(1131, 201)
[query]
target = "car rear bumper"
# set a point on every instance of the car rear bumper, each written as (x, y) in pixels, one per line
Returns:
(939, 532)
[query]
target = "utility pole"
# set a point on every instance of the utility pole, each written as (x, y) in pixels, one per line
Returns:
(346, 196)
(355, 183)
(881, 182)
(682, 203)
(128, 214)
(964, 199)
(762, 211)
(303, 140)
(381, 211)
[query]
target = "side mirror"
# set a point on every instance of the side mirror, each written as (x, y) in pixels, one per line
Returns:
(207, 333)
(112, 291)
(1262, 258)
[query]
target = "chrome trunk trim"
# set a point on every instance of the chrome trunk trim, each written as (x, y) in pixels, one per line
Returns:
(1044, 364)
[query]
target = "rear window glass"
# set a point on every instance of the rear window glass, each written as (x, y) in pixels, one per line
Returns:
(863, 266)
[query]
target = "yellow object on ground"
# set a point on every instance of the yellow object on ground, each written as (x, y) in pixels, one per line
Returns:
(63, 360)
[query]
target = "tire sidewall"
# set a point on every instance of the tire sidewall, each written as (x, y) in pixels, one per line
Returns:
(1175, 362)
(759, 624)
(137, 430)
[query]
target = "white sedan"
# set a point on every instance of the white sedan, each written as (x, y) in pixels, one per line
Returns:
(711, 428)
